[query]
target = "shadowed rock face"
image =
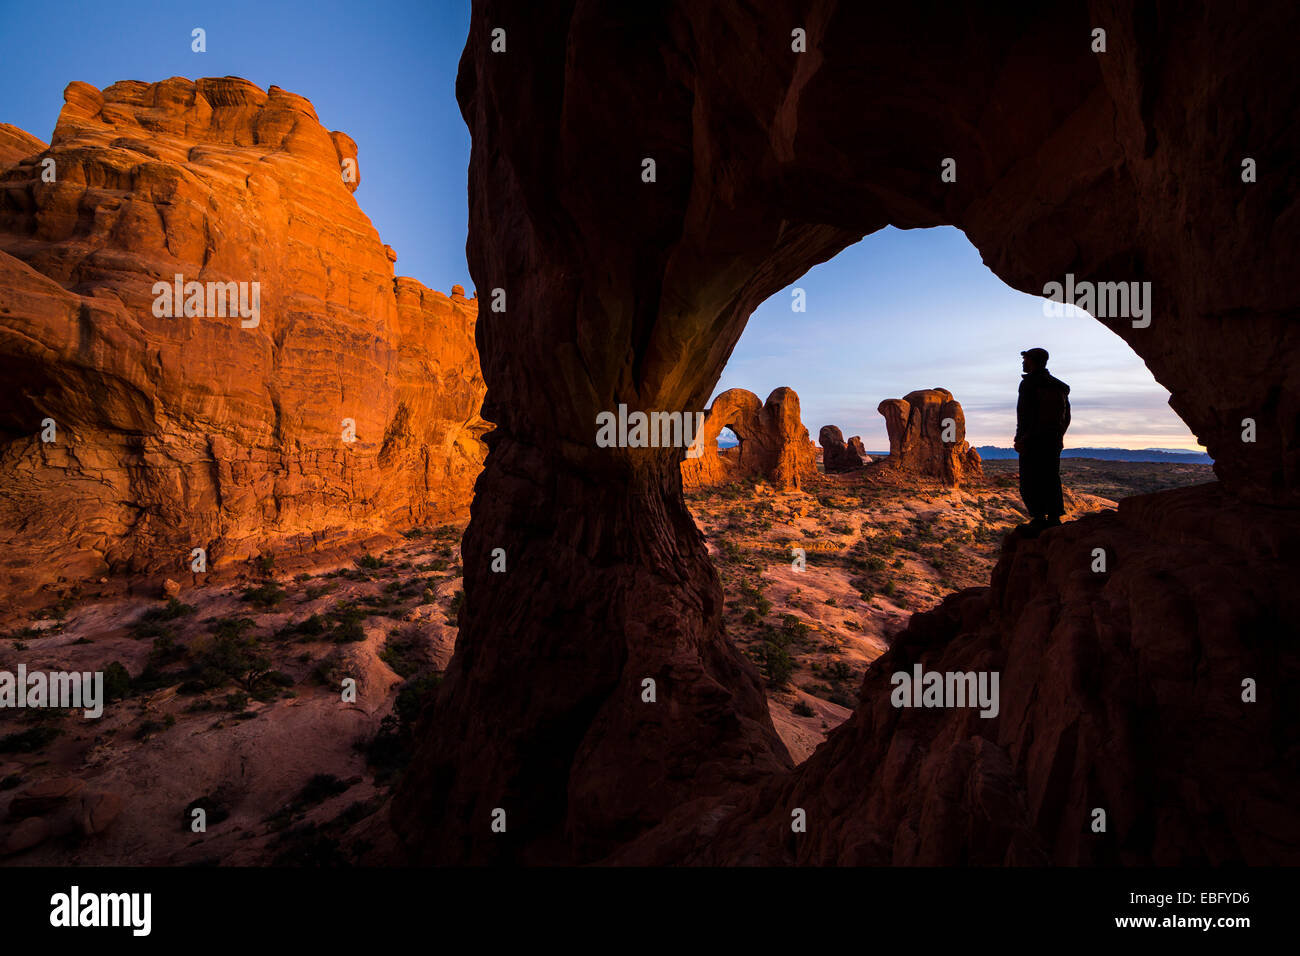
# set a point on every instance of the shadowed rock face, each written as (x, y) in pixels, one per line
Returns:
(193, 430)
(773, 445)
(838, 455)
(1123, 166)
(1119, 690)
(916, 425)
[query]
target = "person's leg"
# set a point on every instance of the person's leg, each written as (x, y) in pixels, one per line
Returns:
(1031, 485)
(1053, 496)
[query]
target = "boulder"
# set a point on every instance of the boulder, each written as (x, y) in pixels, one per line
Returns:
(44, 796)
(837, 455)
(98, 810)
(28, 833)
(927, 436)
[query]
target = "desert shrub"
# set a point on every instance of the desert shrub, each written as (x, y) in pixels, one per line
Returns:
(318, 789)
(794, 629)
(117, 681)
(29, 741)
(801, 709)
(231, 654)
(149, 727)
(457, 600)
(402, 653)
(776, 663)
(310, 626)
(156, 621)
(215, 806)
(348, 628)
(370, 562)
(390, 750)
(264, 595)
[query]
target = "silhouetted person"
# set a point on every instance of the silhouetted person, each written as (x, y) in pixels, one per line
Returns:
(1042, 416)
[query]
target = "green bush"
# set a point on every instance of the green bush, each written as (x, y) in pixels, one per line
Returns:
(264, 595)
(777, 663)
(117, 681)
(29, 741)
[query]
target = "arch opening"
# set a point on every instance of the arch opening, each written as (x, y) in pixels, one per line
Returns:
(638, 292)
(888, 538)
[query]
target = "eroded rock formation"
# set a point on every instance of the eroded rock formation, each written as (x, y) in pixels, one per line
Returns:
(1123, 166)
(927, 436)
(222, 431)
(774, 443)
(837, 455)
(1120, 690)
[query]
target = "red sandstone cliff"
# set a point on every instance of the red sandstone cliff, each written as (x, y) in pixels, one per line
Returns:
(195, 431)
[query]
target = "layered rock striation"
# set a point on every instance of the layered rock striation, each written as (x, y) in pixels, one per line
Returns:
(305, 397)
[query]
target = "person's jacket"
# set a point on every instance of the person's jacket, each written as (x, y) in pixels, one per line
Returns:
(1043, 410)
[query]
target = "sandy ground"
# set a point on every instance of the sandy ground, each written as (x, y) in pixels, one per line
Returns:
(283, 766)
(277, 772)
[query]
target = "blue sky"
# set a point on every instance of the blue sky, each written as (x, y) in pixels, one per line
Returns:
(909, 309)
(382, 72)
(896, 312)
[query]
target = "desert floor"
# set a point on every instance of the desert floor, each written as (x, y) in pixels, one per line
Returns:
(227, 699)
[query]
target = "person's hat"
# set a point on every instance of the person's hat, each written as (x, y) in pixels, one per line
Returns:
(1039, 355)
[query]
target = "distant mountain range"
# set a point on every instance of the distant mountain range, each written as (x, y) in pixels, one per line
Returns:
(1180, 456)
(1168, 456)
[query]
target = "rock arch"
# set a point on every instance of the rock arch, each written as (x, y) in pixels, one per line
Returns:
(773, 445)
(1116, 166)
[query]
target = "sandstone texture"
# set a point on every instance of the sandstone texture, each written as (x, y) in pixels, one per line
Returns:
(917, 423)
(1123, 166)
(774, 443)
(837, 455)
(206, 430)
(1121, 690)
